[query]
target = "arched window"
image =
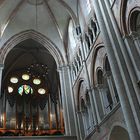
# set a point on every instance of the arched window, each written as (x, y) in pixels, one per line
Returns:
(100, 77)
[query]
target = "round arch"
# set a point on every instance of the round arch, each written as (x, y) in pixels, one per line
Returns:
(125, 24)
(132, 19)
(119, 133)
(31, 34)
(91, 73)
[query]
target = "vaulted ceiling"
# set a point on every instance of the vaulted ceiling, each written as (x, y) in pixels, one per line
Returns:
(48, 17)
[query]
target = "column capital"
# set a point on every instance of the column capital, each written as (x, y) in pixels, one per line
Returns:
(127, 36)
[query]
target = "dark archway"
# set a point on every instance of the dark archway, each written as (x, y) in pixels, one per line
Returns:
(119, 133)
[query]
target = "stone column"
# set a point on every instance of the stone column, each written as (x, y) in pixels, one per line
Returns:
(1, 97)
(127, 111)
(72, 73)
(84, 122)
(64, 103)
(1, 69)
(73, 104)
(90, 117)
(69, 101)
(81, 126)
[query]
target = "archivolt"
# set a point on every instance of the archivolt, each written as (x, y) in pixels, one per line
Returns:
(31, 34)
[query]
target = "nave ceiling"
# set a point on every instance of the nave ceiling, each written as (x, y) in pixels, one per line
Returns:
(48, 17)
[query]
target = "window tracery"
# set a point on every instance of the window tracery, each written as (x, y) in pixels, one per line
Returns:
(25, 89)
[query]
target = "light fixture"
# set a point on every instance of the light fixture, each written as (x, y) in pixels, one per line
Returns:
(10, 89)
(37, 81)
(13, 80)
(25, 77)
(41, 91)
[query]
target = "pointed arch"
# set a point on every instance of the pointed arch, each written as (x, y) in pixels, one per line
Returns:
(31, 34)
(118, 132)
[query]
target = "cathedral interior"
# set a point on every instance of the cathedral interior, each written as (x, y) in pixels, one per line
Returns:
(70, 69)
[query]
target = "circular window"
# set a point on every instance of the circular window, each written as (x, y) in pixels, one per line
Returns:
(10, 89)
(14, 80)
(26, 88)
(41, 91)
(36, 81)
(25, 77)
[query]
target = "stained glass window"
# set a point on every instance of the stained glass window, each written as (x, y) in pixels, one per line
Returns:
(25, 77)
(14, 80)
(26, 88)
(41, 91)
(36, 81)
(10, 89)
